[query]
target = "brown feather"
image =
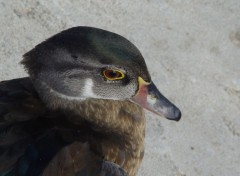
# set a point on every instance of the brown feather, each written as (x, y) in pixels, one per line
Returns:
(109, 130)
(122, 125)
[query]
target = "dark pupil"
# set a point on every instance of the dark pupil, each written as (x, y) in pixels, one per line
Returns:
(113, 74)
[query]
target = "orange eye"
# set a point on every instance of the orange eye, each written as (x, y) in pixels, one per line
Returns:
(112, 74)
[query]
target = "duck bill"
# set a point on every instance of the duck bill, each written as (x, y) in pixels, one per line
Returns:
(149, 97)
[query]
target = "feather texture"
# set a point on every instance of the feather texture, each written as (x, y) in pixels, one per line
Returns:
(81, 140)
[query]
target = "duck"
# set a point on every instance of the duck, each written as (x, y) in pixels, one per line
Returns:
(80, 112)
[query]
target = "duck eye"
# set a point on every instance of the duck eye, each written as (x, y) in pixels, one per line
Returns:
(112, 74)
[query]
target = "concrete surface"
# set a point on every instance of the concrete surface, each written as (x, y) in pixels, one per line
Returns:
(192, 49)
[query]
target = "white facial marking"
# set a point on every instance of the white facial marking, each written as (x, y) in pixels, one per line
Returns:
(151, 100)
(88, 88)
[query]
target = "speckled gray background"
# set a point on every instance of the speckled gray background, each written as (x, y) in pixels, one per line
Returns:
(192, 49)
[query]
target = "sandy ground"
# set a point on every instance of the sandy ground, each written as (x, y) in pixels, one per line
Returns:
(192, 49)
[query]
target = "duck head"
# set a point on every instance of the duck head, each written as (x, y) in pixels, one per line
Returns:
(85, 62)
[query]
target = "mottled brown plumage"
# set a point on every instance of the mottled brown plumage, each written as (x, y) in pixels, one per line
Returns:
(121, 132)
(117, 137)
(68, 118)
(124, 126)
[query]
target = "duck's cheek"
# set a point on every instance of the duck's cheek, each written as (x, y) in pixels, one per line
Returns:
(113, 91)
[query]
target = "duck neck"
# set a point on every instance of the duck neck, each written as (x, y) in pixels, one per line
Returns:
(122, 121)
(123, 118)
